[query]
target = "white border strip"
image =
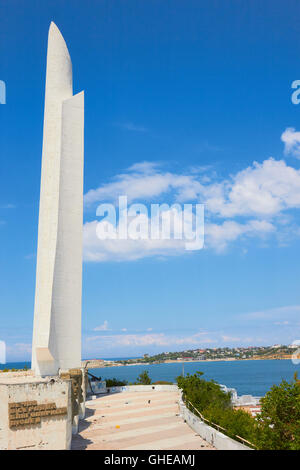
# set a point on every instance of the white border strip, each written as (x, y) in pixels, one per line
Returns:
(209, 434)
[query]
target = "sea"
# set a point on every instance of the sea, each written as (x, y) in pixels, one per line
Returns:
(247, 377)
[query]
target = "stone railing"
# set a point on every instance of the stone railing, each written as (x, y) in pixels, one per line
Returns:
(210, 434)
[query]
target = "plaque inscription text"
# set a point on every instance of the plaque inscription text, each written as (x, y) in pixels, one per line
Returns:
(30, 412)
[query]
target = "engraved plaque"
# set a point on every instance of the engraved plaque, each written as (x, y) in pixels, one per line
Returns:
(29, 413)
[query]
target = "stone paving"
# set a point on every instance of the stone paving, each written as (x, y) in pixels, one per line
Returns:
(147, 420)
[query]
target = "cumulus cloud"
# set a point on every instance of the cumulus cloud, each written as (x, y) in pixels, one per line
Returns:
(144, 181)
(263, 189)
(150, 339)
(137, 343)
(284, 314)
(126, 250)
(219, 235)
(103, 327)
(291, 139)
(255, 202)
(96, 249)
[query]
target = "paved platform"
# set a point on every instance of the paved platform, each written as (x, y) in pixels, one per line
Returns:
(146, 420)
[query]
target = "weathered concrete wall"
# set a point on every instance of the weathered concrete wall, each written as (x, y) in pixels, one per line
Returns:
(53, 432)
(211, 435)
(77, 378)
(100, 389)
(96, 388)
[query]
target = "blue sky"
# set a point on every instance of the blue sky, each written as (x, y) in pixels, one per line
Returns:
(200, 91)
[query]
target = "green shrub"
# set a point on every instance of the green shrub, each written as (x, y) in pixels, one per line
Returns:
(202, 393)
(143, 379)
(235, 422)
(277, 427)
(115, 382)
(162, 382)
(279, 421)
(215, 405)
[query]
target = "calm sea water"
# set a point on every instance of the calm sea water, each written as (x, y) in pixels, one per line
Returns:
(15, 365)
(247, 377)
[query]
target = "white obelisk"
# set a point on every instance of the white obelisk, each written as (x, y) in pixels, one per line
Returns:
(57, 315)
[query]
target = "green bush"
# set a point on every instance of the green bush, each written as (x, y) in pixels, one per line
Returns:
(215, 405)
(277, 427)
(279, 421)
(162, 382)
(202, 393)
(115, 382)
(235, 422)
(143, 379)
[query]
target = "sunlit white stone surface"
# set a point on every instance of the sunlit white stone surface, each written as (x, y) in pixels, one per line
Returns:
(57, 315)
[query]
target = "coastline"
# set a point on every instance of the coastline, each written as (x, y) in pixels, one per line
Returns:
(99, 364)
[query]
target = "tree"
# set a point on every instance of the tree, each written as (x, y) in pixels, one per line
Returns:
(143, 378)
(202, 393)
(279, 421)
(115, 382)
(277, 427)
(215, 405)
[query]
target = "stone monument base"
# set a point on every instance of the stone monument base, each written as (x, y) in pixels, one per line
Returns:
(35, 412)
(78, 379)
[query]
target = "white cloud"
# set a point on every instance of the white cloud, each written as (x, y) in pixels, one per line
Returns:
(291, 139)
(253, 203)
(218, 236)
(19, 351)
(96, 249)
(281, 314)
(144, 181)
(126, 250)
(263, 189)
(103, 327)
(129, 126)
(144, 167)
(7, 206)
(270, 322)
(231, 339)
(149, 339)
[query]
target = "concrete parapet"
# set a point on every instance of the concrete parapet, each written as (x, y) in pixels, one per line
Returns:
(35, 413)
(143, 388)
(217, 439)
